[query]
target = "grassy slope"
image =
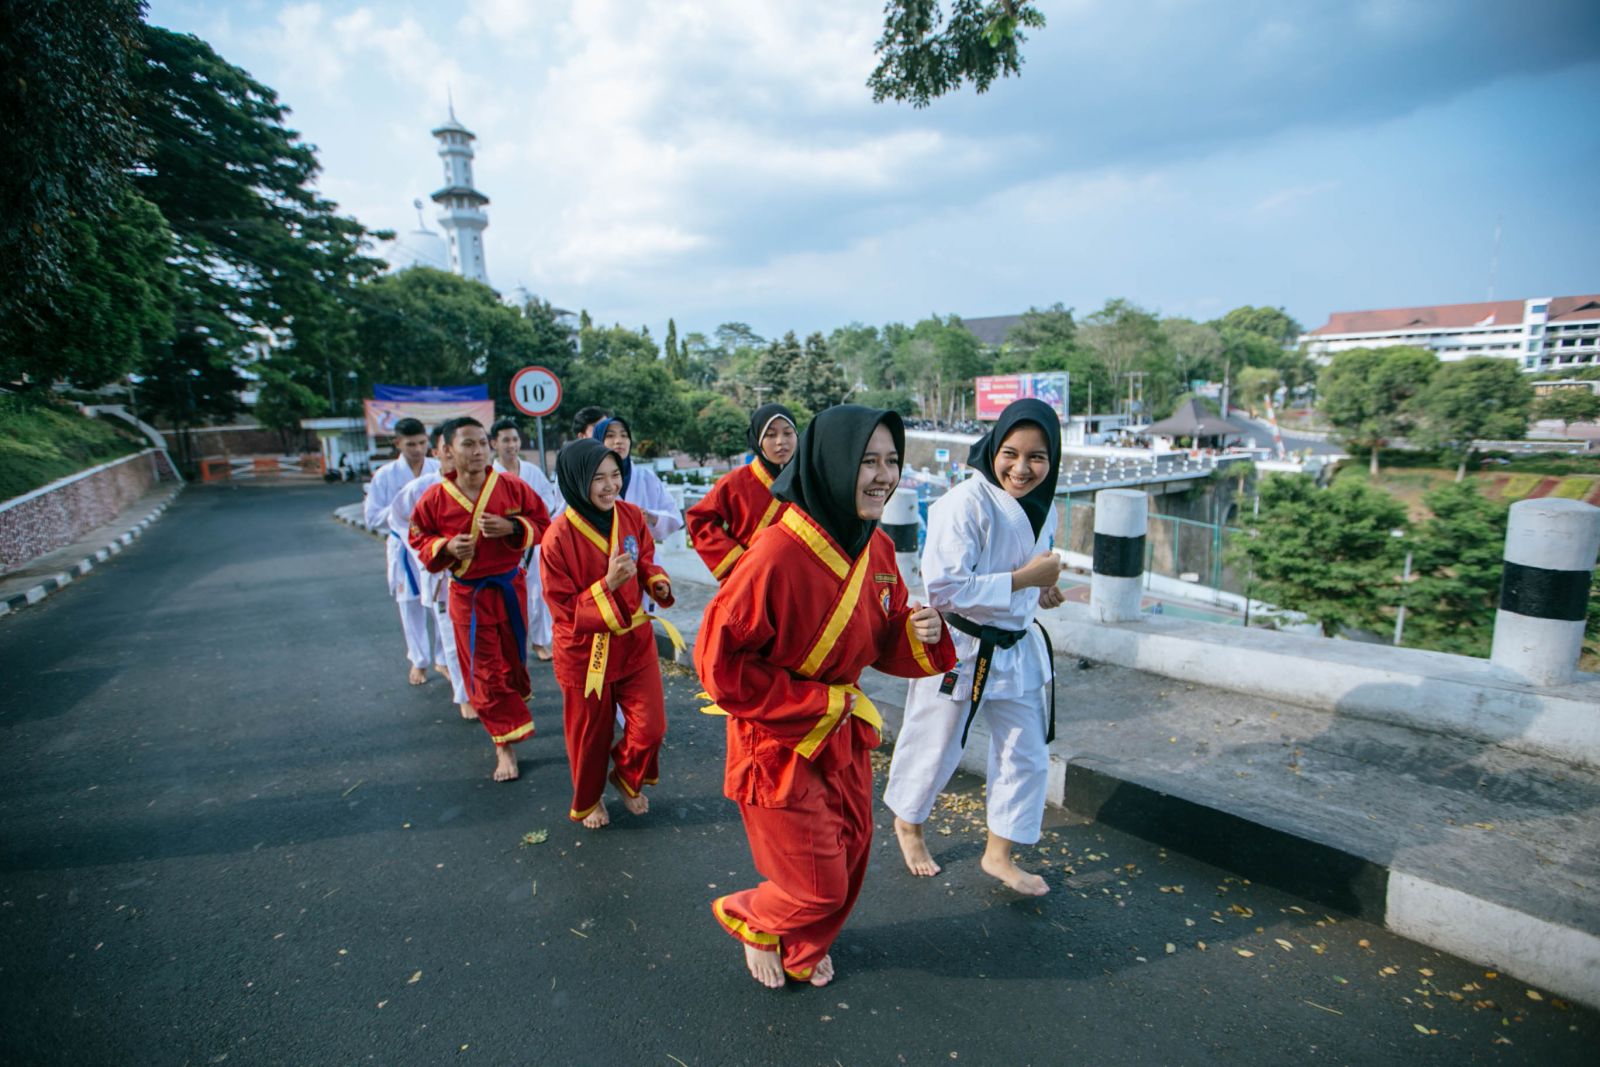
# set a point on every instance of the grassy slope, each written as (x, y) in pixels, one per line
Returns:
(40, 442)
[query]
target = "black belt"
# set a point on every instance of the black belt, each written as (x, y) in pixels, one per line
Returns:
(989, 639)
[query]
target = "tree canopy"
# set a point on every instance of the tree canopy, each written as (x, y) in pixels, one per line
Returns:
(1477, 397)
(923, 54)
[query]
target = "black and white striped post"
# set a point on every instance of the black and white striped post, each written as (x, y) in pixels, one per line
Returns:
(1551, 544)
(1121, 518)
(900, 523)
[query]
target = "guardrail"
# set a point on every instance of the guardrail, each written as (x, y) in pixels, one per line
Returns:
(244, 468)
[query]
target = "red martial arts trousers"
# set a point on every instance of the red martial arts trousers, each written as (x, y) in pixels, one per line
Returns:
(495, 670)
(813, 852)
(590, 724)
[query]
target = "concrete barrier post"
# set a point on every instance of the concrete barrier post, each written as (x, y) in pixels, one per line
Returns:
(1551, 544)
(1121, 518)
(900, 523)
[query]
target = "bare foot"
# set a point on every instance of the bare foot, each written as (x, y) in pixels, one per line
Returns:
(823, 973)
(543, 654)
(469, 712)
(418, 676)
(505, 764)
(765, 967)
(444, 672)
(1005, 868)
(918, 859)
(598, 817)
(636, 805)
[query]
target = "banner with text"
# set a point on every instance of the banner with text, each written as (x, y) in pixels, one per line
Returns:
(383, 414)
(994, 392)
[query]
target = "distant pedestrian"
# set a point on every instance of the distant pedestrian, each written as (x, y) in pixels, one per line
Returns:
(412, 461)
(988, 567)
(726, 520)
(816, 600)
(477, 525)
(598, 564)
(435, 586)
(640, 486)
(506, 437)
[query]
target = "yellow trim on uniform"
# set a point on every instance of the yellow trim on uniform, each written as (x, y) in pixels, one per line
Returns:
(759, 469)
(580, 524)
(475, 530)
(767, 517)
(742, 930)
(602, 600)
(838, 620)
(527, 539)
(628, 791)
(727, 562)
(838, 696)
(515, 735)
(578, 816)
(918, 649)
(434, 546)
(453, 491)
(796, 522)
(800, 976)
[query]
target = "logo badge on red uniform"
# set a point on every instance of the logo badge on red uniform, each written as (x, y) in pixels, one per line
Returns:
(883, 599)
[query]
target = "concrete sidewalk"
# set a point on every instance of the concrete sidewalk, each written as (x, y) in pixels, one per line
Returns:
(50, 572)
(1469, 847)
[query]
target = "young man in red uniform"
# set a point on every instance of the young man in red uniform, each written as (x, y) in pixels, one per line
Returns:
(815, 601)
(478, 522)
(598, 563)
(724, 523)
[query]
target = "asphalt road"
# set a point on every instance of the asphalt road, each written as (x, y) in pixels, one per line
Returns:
(232, 833)
(1261, 430)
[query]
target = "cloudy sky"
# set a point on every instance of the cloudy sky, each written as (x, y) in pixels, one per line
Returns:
(719, 160)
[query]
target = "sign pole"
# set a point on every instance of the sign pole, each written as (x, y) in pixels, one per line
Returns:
(539, 422)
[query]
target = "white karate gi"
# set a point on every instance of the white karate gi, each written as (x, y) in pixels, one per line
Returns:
(541, 628)
(977, 535)
(646, 492)
(435, 597)
(405, 578)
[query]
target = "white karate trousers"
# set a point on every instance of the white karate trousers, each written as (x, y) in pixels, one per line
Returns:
(452, 661)
(421, 643)
(928, 750)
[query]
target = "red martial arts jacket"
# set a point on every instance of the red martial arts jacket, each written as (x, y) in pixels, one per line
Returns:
(601, 634)
(445, 511)
(723, 524)
(784, 643)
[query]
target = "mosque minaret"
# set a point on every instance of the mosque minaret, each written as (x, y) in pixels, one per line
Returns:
(461, 205)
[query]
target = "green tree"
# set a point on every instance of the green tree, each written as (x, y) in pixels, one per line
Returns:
(862, 353)
(815, 380)
(922, 55)
(1327, 553)
(1366, 393)
(601, 344)
(717, 429)
(1256, 386)
(113, 310)
(701, 360)
(775, 371)
(939, 358)
(1196, 349)
(1047, 340)
(1477, 397)
(1274, 324)
(1568, 406)
(1456, 564)
(66, 118)
(677, 355)
(1128, 340)
(642, 392)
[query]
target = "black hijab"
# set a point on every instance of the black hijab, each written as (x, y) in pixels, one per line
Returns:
(821, 478)
(758, 426)
(576, 465)
(599, 434)
(1036, 505)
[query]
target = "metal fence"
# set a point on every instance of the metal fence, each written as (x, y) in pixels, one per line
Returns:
(1187, 549)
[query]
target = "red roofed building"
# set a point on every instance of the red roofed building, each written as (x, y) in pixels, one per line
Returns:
(1543, 333)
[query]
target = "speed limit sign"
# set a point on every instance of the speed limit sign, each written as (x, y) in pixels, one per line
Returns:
(535, 391)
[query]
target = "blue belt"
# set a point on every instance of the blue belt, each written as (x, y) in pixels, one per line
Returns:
(405, 561)
(514, 610)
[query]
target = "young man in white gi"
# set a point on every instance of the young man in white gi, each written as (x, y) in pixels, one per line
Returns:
(506, 439)
(435, 595)
(405, 582)
(988, 568)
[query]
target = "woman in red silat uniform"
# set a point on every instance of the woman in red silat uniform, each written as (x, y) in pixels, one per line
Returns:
(597, 563)
(815, 600)
(725, 522)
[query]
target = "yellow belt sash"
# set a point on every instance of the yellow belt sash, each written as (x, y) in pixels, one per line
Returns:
(600, 649)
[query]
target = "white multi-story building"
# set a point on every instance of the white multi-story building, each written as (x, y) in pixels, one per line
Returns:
(1541, 333)
(461, 205)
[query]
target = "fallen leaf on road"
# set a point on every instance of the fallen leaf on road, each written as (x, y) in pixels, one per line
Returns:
(1283, 944)
(1364, 943)
(580, 933)
(1324, 1007)
(1171, 948)
(535, 837)
(381, 1003)
(1534, 994)
(1419, 1028)
(1425, 972)
(1201, 945)
(1319, 949)
(414, 979)
(1246, 953)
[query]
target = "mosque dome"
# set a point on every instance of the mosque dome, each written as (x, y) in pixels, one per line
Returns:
(421, 247)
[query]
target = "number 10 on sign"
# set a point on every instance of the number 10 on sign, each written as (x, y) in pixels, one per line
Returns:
(536, 391)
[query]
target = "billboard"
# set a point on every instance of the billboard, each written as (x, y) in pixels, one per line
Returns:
(994, 392)
(383, 414)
